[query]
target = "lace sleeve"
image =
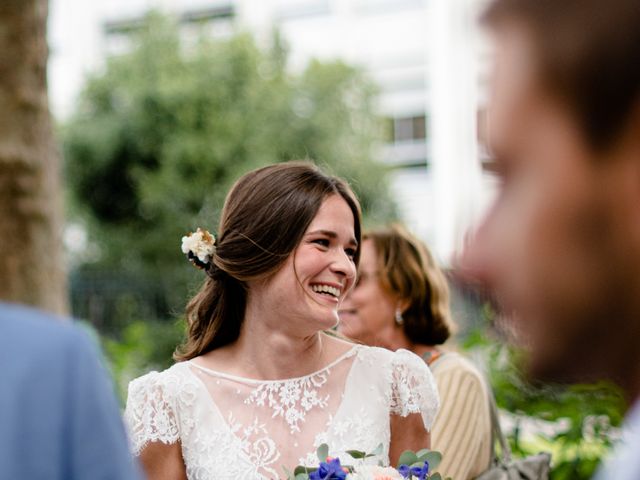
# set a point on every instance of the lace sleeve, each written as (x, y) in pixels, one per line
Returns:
(150, 412)
(413, 388)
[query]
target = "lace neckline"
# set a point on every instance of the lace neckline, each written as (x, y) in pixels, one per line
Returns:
(215, 373)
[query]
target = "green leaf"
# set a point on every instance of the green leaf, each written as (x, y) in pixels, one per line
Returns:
(323, 452)
(421, 453)
(301, 470)
(434, 458)
(435, 476)
(357, 454)
(407, 458)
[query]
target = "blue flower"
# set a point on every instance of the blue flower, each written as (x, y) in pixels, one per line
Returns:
(419, 472)
(330, 470)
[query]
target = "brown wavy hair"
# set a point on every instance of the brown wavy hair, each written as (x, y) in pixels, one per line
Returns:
(407, 270)
(264, 218)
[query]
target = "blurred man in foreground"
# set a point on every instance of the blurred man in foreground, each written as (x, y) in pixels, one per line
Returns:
(560, 247)
(59, 419)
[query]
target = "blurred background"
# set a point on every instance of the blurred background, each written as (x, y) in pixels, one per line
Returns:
(159, 105)
(425, 60)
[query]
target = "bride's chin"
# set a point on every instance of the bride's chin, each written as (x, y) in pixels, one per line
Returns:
(327, 322)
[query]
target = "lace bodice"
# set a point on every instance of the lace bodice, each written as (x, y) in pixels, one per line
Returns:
(231, 427)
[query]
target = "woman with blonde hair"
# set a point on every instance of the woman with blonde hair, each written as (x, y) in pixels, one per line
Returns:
(259, 385)
(401, 301)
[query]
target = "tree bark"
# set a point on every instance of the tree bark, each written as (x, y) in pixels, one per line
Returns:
(31, 253)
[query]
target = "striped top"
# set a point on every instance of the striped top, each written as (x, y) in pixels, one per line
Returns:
(462, 428)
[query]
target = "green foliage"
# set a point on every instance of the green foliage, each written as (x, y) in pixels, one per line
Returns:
(142, 346)
(357, 454)
(434, 458)
(322, 452)
(576, 423)
(162, 132)
(408, 458)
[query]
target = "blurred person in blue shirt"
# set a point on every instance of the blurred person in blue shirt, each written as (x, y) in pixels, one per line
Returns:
(560, 247)
(59, 419)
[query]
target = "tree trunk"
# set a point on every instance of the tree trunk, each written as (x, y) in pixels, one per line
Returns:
(31, 256)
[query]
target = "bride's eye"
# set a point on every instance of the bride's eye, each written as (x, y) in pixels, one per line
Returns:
(351, 252)
(321, 241)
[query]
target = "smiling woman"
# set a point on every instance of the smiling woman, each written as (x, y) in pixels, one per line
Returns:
(269, 219)
(259, 384)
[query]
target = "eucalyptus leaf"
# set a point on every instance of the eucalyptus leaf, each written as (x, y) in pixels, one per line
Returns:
(323, 452)
(358, 454)
(407, 458)
(436, 476)
(303, 470)
(421, 453)
(434, 459)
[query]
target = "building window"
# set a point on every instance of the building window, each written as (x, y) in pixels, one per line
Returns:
(216, 22)
(407, 129)
(208, 15)
(406, 141)
(298, 9)
(387, 6)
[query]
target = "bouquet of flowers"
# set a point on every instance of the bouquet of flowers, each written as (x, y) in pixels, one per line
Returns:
(412, 465)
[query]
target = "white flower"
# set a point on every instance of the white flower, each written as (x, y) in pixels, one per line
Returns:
(201, 244)
(373, 472)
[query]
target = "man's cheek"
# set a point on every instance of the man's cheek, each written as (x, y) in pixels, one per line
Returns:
(518, 225)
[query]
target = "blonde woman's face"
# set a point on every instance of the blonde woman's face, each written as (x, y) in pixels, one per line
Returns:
(368, 312)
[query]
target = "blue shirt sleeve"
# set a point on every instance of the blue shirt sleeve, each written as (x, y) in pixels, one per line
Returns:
(59, 418)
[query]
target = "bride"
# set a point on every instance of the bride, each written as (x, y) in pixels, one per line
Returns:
(259, 383)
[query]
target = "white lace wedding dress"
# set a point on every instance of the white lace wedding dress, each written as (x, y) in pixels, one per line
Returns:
(238, 428)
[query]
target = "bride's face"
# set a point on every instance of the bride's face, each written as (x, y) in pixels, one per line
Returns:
(307, 291)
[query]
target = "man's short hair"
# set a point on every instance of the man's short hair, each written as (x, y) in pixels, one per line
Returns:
(589, 57)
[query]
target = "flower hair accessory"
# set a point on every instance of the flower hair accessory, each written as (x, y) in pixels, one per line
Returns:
(199, 248)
